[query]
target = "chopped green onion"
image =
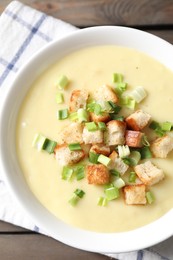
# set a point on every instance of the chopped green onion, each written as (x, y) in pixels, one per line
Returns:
(150, 197)
(80, 193)
(102, 201)
(80, 172)
(104, 160)
(73, 116)
(115, 172)
(138, 94)
(91, 106)
(133, 159)
(120, 87)
(105, 106)
(77, 195)
(82, 115)
(63, 114)
(166, 126)
(67, 173)
(116, 117)
(97, 109)
(75, 147)
(132, 177)
(59, 98)
(154, 125)
(114, 107)
(123, 151)
(39, 141)
(102, 126)
(91, 126)
(117, 77)
(93, 157)
(74, 200)
(145, 141)
(62, 81)
(112, 193)
(128, 102)
(145, 153)
(49, 146)
(119, 183)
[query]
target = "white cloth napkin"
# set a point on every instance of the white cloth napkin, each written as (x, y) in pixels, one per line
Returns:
(23, 31)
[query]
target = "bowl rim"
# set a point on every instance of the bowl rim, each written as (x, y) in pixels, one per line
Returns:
(82, 239)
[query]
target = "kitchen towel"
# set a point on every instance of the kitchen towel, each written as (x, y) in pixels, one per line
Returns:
(23, 31)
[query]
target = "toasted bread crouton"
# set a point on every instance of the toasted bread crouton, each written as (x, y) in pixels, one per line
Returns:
(78, 99)
(138, 120)
(100, 118)
(71, 134)
(66, 157)
(134, 138)
(113, 155)
(118, 165)
(92, 137)
(97, 174)
(162, 146)
(105, 93)
(100, 149)
(135, 194)
(114, 134)
(148, 173)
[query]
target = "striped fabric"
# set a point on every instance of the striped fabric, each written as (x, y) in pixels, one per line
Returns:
(23, 31)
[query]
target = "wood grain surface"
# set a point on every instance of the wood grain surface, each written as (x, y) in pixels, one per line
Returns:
(154, 16)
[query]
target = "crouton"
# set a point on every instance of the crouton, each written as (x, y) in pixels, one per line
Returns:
(114, 134)
(148, 173)
(92, 137)
(71, 134)
(66, 157)
(105, 93)
(162, 146)
(100, 118)
(100, 149)
(118, 165)
(78, 99)
(97, 174)
(134, 138)
(138, 120)
(135, 194)
(113, 155)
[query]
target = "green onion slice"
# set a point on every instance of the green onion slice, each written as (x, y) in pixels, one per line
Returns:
(132, 177)
(75, 147)
(114, 107)
(59, 98)
(93, 157)
(102, 202)
(138, 94)
(133, 159)
(123, 151)
(101, 126)
(73, 116)
(119, 183)
(145, 141)
(77, 195)
(62, 114)
(63, 81)
(67, 173)
(117, 77)
(80, 193)
(166, 126)
(39, 141)
(82, 115)
(128, 102)
(112, 193)
(104, 160)
(150, 197)
(115, 172)
(91, 126)
(49, 146)
(145, 153)
(80, 172)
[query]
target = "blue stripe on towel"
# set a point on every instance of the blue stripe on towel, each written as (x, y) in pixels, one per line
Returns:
(27, 25)
(7, 64)
(22, 48)
(140, 255)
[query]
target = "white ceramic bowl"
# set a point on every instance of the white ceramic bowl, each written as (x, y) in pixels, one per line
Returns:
(10, 104)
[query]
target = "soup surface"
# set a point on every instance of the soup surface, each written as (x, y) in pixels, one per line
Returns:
(88, 69)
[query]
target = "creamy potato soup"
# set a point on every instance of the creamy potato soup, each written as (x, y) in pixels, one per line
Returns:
(89, 69)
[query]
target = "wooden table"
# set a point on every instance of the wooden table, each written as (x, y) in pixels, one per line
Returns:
(154, 16)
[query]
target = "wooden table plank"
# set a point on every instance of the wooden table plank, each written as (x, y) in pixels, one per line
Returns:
(104, 12)
(9, 228)
(39, 247)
